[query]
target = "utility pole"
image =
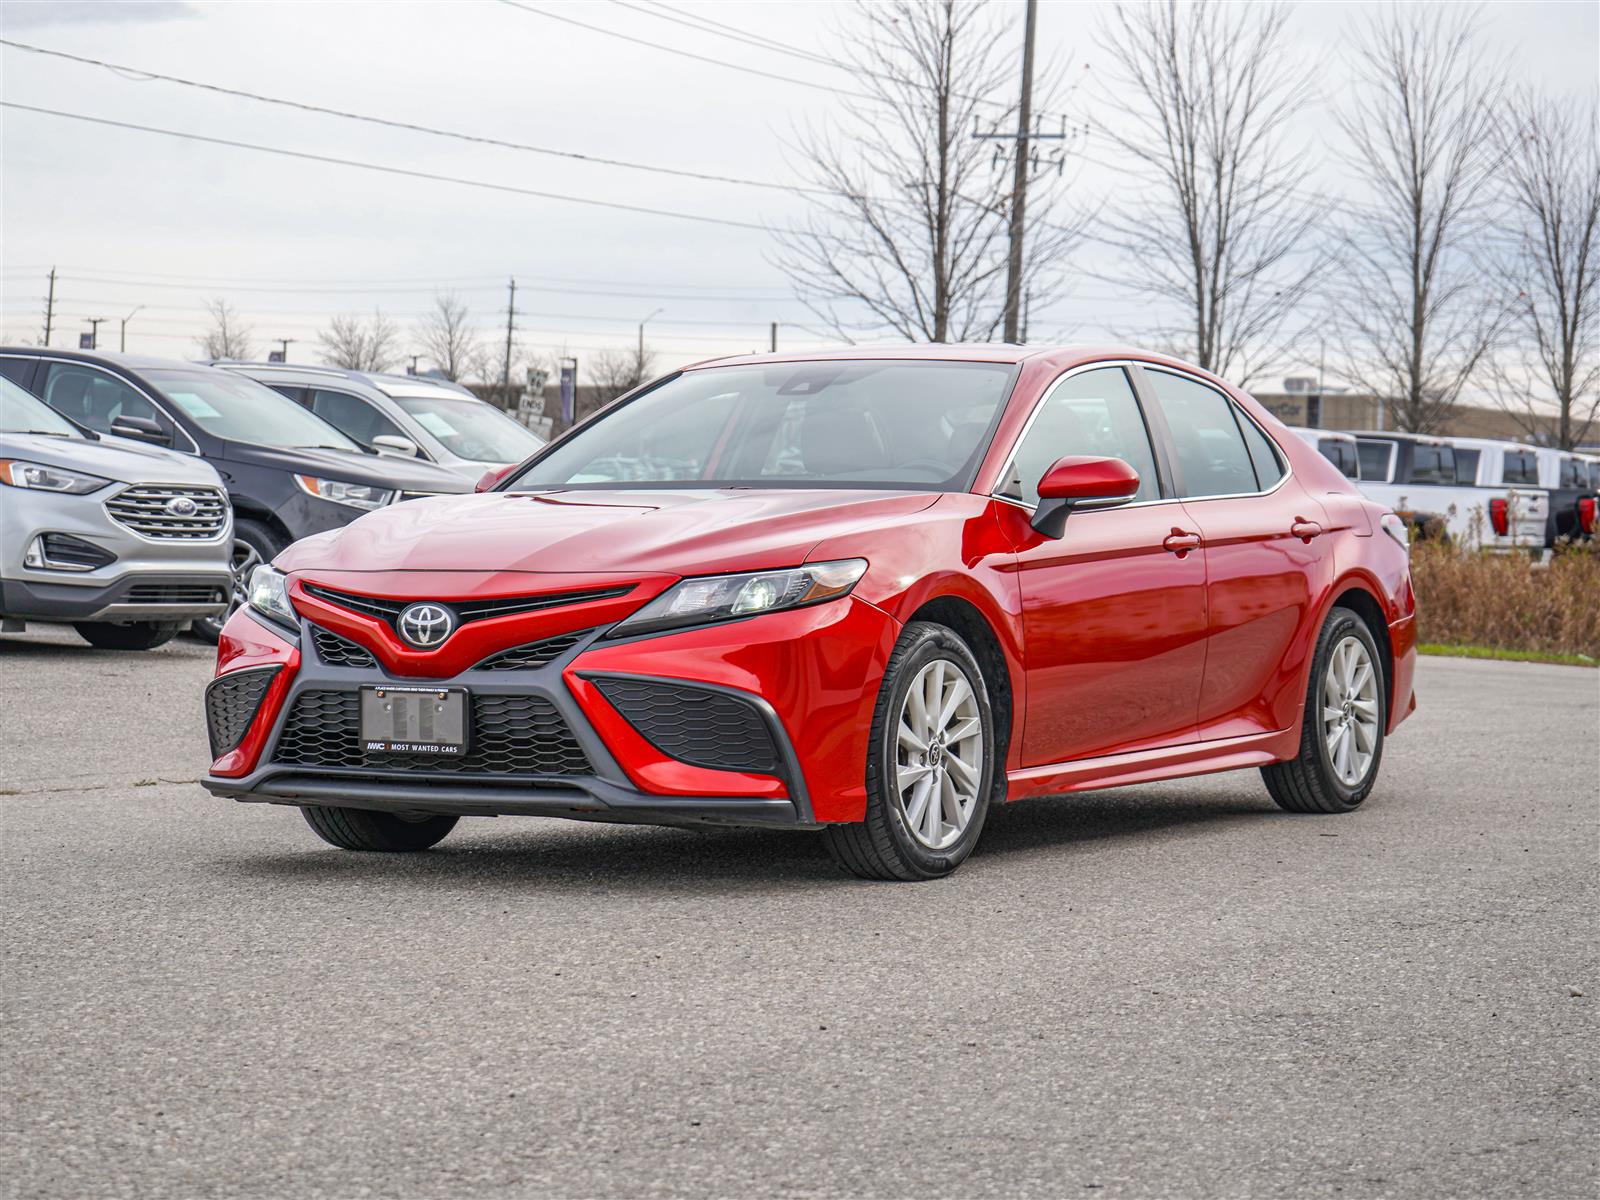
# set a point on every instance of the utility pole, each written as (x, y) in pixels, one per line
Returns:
(413, 369)
(94, 331)
(283, 349)
(122, 335)
(50, 307)
(1019, 181)
(511, 316)
(773, 348)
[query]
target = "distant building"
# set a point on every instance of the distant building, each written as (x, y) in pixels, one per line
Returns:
(1299, 403)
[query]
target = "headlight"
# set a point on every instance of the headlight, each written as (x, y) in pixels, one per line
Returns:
(356, 495)
(48, 479)
(269, 596)
(725, 597)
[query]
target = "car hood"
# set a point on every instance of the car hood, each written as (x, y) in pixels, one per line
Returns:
(671, 532)
(114, 458)
(351, 466)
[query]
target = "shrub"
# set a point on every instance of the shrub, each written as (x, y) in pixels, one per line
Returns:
(1509, 601)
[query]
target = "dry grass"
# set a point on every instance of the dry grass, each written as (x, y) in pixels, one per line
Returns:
(1509, 602)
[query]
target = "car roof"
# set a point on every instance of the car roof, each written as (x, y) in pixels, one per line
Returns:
(1394, 435)
(389, 385)
(991, 352)
(1477, 443)
(133, 362)
(1306, 434)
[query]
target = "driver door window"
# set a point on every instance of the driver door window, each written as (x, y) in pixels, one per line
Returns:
(94, 399)
(1094, 413)
(353, 416)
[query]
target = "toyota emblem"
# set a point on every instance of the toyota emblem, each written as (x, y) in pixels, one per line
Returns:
(426, 625)
(182, 506)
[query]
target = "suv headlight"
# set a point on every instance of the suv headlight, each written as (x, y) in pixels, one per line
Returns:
(269, 596)
(709, 598)
(356, 495)
(41, 478)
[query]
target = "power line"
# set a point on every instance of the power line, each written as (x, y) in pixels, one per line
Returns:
(388, 170)
(409, 126)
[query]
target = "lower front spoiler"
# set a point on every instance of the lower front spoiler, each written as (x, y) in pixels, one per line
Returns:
(578, 799)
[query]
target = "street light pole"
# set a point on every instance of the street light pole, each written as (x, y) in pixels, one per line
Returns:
(651, 317)
(122, 336)
(94, 331)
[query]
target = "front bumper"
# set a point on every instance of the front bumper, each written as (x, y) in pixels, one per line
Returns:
(132, 596)
(807, 676)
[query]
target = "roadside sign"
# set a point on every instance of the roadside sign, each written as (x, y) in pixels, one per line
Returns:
(86, 341)
(569, 390)
(274, 355)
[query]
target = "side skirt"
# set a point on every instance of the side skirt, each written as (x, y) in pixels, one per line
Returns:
(1146, 766)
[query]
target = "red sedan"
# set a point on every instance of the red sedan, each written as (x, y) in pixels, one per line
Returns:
(869, 592)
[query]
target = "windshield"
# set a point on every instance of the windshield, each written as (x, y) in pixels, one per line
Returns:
(242, 410)
(21, 412)
(472, 429)
(919, 425)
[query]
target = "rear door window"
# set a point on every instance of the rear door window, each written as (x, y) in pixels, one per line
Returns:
(1467, 467)
(1521, 466)
(1377, 460)
(1213, 459)
(1341, 455)
(1432, 464)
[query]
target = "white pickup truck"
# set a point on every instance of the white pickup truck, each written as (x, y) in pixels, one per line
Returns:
(1482, 491)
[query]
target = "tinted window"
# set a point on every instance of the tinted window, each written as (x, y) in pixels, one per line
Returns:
(1212, 457)
(16, 369)
(1467, 467)
(1520, 466)
(294, 391)
(93, 398)
(921, 425)
(1375, 459)
(1432, 464)
(1094, 413)
(1574, 473)
(353, 416)
(242, 410)
(22, 412)
(1341, 455)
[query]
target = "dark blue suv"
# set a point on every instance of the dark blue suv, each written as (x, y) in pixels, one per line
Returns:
(289, 474)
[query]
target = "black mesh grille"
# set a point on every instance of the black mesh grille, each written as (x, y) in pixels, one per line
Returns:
(510, 735)
(466, 610)
(534, 654)
(175, 593)
(338, 651)
(696, 726)
(231, 704)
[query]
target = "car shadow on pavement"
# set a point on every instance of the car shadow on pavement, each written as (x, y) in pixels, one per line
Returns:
(540, 854)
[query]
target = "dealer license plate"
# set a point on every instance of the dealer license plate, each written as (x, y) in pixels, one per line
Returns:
(414, 720)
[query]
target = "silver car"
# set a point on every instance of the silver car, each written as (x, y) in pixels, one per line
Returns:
(406, 415)
(125, 542)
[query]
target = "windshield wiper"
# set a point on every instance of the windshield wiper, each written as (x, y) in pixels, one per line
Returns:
(41, 433)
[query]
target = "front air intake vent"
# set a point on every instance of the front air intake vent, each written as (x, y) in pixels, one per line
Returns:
(231, 704)
(695, 725)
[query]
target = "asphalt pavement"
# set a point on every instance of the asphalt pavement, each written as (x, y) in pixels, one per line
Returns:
(1168, 990)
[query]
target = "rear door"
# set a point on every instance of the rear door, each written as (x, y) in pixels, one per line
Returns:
(1113, 611)
(1266, 557)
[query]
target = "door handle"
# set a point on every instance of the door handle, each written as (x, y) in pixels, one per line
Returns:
(1304, 530)
(1180, 542)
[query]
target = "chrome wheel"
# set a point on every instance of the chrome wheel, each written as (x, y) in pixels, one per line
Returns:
(1350, 711)
(939, 755)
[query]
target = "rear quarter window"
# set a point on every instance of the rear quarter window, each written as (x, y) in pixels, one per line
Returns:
(1433, 464)
(1520, 466)
(1342, 455)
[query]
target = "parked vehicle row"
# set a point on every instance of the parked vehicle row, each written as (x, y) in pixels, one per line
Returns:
(282, 471)
(1481, 492)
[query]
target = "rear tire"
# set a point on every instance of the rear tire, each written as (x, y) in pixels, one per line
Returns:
(137, 635)
(1346, 712)
(916, 761)
(362, 829)
(253, 545)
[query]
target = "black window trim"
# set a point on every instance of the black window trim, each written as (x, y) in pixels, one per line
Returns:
(1154, 427)
(1154, 402)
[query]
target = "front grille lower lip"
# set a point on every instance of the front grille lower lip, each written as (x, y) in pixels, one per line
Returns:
(466, 611)
(143, 509)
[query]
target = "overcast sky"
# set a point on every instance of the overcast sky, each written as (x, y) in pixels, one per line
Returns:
(133, 218)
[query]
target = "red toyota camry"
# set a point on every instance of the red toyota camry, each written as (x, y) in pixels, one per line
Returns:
(867, 592)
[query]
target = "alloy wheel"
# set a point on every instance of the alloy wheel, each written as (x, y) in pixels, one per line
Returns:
(1350, 711)
(246, 558)
(939, 755)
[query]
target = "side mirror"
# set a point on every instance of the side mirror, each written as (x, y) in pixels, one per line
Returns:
(141, 429)
(1078, 482)
(387, 443)
(494, 475)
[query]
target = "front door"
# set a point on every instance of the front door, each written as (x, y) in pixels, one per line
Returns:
(1113, 611)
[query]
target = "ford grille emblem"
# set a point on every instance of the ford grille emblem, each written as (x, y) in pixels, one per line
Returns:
(182, 506)
(426, 625)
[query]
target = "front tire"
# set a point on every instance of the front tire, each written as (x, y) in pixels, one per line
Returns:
(930, 763)
(136, 635)
(253, 545)
(1341, 739)
(361, 829)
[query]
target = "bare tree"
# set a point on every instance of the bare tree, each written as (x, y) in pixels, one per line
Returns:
(617, 371)
(228, 336)
(1415, 311)
(448, 337)
(361, 345)
(1552, 183)
(907, 228)
(1208, 93)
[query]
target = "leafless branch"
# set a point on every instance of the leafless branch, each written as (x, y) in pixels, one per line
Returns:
(228, 336)
(447, 336)
(361, 345)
